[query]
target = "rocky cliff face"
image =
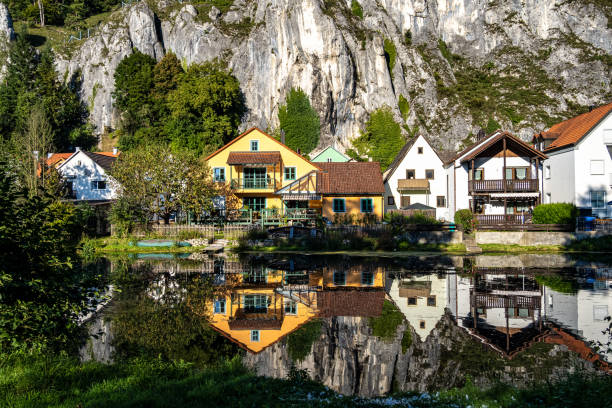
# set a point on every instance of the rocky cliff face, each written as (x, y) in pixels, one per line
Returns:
(459, 64)
(348, 359)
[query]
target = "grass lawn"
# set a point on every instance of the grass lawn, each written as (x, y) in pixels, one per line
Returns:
(52, 381)
(109, 245)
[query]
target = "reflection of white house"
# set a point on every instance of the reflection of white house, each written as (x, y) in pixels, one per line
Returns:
(417, 175)
(422, 299)
(86, 175)
(579, 165)
(497, 175)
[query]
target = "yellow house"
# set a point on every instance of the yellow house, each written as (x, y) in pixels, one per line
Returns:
(266, 174)
(256, 166)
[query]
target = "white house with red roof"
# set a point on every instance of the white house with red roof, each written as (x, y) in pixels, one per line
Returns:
(86, 175)
(579, 165)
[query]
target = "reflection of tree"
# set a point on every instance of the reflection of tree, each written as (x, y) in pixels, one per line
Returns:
(171, 324)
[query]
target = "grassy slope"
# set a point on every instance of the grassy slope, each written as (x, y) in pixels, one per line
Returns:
(64, 382)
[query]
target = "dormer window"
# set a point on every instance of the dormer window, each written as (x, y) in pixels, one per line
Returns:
(254, 145)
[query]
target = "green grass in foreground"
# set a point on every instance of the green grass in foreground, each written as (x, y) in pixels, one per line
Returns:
(520, 248)
(109, 245)
(64, 382)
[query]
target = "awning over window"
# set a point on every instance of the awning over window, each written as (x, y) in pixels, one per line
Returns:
(242, 158)
(515, 195)
(412, 184)
(305, 196)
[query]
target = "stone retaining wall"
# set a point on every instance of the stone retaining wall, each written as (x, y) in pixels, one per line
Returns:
(433, 237)
(533, 238)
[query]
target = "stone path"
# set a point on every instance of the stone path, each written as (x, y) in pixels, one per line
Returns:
(470, 245)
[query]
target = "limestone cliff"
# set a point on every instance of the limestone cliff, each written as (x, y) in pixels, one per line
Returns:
(350, 360)
(460, 64)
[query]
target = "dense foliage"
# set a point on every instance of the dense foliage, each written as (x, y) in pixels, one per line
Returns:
(31, 83)
(465, 219)
(69, 12)
(555, 213)
(382, 139)
(198, 109)
(42, 286)
(299, 343)
(385, 326)
(300, 122)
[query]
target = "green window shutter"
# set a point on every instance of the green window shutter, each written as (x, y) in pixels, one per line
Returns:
(339, 205)
(366, 205)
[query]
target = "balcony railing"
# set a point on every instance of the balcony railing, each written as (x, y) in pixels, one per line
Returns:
(501, 186)
(497, 219)
(259, 183)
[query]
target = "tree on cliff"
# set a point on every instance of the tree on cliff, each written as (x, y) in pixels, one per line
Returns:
(31, 80)
(382, 139)
(300, 122)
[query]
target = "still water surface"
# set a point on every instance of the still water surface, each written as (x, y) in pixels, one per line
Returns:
(362, 325)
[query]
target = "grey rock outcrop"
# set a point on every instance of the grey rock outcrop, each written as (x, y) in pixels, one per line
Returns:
(339, 59)
(350, 360)
(6, 24)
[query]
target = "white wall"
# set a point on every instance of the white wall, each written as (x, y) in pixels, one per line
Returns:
(84, 170)
(590, 304)
(420, 162)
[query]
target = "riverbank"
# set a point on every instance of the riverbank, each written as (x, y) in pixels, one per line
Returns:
(111, 245)
(65, 382)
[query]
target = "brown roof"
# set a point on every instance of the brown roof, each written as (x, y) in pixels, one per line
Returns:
(363, 303)
(570, 131)
(103, 160)
(253, 158)
(493, 138)
(350, 178)
(254, 324)
(413, 184)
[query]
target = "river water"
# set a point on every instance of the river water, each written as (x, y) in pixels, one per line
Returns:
(364, 325)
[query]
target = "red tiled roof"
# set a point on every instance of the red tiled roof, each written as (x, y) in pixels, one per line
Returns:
(57, 157)
(253, 158)
(363, 303)
(570, 131)
(350, 178)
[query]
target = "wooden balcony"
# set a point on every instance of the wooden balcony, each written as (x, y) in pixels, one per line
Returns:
(498, 219)
(503, 186)
(490, 301)
(263, 183)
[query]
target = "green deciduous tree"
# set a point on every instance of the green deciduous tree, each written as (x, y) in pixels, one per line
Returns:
(300, 122)
(160, 181)
(382, 139)
(206, 108)
(43, 289)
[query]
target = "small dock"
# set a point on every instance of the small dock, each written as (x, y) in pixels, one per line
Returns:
(216, 247)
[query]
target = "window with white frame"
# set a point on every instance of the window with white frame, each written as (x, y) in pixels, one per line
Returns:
(291, 307)
(547, 172)
(219, 174)
(598, 199)
(254, 145)
(290, 173)
(255, 336)
(98, 185)
(597, 167)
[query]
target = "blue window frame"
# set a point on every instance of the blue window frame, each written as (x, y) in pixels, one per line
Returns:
(339, 278)
(254, 145)
(219, 174)
(220, 306)
(290, 173)
(367, 278)
(255, 335)
(366, 205)
(339, 205)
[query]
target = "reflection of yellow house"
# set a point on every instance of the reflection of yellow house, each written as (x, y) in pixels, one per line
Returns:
(422, 299)
(255, 312)
(356, 276)
(266, 174)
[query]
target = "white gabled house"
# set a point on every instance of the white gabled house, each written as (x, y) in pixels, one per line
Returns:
(86, 175)
(417, 175)
(579, 165)
(499, 178)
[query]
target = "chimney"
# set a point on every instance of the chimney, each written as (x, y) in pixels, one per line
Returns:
(282, 132)
(115, 150)
(77, 149)
(49, 155)
(481, 135)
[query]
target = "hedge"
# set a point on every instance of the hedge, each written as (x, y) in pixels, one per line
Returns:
(556, 213)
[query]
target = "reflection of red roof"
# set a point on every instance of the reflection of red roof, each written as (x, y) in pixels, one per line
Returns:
(362, 303)
(559, 336)
(569, 132)
(237, 158)
(350, 178)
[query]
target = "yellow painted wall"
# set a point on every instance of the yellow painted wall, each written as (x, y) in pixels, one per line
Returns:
(353, 278)
(353, 206)
(266, 336)
(266, 144)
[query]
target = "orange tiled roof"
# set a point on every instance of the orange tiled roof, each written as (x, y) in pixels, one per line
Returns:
(350, 178)
(570, 131)
(57, 158)
(111, 154)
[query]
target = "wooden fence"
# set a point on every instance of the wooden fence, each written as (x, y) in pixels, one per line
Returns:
(409, 213)
(179, 230)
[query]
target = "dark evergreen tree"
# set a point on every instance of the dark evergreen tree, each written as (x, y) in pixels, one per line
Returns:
(300, 122)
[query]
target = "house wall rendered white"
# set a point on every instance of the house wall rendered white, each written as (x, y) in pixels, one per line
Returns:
(593, 307)
(438, 186)
(82, 170)
(571, 176)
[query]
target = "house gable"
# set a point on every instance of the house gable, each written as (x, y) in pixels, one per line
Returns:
(330, 154)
